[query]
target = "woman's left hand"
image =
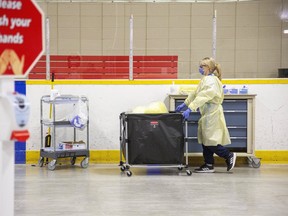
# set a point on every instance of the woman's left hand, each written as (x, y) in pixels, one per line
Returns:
(186, 113)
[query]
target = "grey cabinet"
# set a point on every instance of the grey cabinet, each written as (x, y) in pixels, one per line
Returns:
(239, 116)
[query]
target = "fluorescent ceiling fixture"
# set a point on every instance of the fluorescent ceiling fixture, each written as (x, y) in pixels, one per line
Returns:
(285, 31)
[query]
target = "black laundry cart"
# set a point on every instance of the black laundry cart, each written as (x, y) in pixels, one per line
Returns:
(152, 139)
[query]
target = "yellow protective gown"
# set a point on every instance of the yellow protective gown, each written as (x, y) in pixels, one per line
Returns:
(208, 97)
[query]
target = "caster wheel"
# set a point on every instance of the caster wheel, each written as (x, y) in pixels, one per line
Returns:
(52, 165)
(256, 165)
(41, 162)
(254, 162)
(122, 168)
(189, 173)
(129, 173)
(73, 160)
(84, 163)
(180, 168)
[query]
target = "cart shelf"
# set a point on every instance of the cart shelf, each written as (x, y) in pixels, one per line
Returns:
(51, 150)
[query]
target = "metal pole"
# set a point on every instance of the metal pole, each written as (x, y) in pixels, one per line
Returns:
(121, 138)
(214, 35)
(131, 49)
(186, 141)
(47, 49)
(126, 144)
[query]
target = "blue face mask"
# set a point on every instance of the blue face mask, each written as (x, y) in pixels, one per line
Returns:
(201, 70)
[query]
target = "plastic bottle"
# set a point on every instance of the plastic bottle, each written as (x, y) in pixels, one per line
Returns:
(173, 88)
(225, 90)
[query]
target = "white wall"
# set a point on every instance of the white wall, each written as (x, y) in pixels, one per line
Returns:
(106, 102)
(271, 117)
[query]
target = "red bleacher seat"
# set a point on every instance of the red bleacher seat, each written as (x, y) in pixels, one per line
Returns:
(106, 67)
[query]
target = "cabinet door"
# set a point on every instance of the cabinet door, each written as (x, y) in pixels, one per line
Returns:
(235, 112)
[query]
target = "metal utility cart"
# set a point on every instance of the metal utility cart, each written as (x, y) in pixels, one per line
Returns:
(57, 148)
(155, 140)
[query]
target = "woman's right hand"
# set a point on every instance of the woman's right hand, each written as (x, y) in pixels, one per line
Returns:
(180, 107)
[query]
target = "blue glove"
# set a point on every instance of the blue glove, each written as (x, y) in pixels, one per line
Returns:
(186, 113)
(180, 107)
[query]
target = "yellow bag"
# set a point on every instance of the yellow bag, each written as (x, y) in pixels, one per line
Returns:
(154, 107)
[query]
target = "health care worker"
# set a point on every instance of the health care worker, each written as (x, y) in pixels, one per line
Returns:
(212, 130)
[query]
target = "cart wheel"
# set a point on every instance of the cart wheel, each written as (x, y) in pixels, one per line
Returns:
(41, 161)
(85, 162)
(189, 173)
(73, 160)
(180, 168)
(255, 164)
(52, 165)
(129, 173)
(122, 168)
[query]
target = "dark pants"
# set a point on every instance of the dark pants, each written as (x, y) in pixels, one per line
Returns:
(208, 152)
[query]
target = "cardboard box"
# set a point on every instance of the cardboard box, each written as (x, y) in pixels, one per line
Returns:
(70, 145)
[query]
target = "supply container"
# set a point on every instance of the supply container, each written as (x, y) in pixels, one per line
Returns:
(233, 91)
(243, 90)
(225, 89)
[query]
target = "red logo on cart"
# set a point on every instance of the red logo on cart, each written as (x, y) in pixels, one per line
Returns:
(154, 124)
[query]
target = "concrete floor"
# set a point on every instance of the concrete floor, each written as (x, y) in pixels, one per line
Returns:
(102, 190)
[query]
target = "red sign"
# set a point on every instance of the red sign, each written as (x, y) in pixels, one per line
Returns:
(21, 36)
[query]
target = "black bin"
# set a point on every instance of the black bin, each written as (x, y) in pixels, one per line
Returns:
(282, 72)
(155, 138)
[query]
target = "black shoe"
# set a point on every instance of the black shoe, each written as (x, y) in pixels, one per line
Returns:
(205, 169)
(230, 161)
